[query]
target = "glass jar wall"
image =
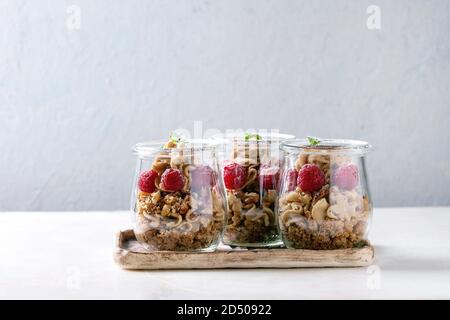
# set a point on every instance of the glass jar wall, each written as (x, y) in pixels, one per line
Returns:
(178, 200)
(324, 196)
(251, 171)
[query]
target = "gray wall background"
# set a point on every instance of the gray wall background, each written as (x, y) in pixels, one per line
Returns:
(72, 102)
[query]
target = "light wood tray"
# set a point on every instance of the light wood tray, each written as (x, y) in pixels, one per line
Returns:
(129, 254)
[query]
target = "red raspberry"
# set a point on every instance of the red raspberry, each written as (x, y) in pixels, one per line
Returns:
(268, 177)
(202, 177)
(234, 176)
(146, 181)
(291, 179)
(346, 177)
(310, 178)
(172, 180)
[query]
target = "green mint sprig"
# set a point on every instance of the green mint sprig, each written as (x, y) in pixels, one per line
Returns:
(248, 136)
(313, 141)
(175, 138)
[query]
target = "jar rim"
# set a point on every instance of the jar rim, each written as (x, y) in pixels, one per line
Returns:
(327, 145)
(262, 137)
(151, 147)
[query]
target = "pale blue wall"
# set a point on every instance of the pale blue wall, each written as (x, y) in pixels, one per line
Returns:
(72, 102)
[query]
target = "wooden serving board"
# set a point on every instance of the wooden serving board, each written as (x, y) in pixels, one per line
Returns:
(129, 254)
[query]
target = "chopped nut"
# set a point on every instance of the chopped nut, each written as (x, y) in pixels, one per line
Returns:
(165, 212)
(319, 210)
(302, 159)
(170, 144)
(169, 199)
(184, 208)
(330, 213)
(292, 196)
(251, 197)
(156, 196)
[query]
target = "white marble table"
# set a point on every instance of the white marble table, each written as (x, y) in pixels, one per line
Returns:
(63, 255)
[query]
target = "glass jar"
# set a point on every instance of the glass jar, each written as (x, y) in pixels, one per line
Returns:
(178, 200)
(324, 196)
(251, 171)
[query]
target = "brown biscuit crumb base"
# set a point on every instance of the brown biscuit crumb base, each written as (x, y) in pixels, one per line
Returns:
(243, 231)
(250, 232)
(173, 240)
(327, 234)
(168, 222)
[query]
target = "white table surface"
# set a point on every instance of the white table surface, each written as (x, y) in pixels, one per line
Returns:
(68, 255)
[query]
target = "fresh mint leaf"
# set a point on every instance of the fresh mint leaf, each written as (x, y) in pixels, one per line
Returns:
(175, 138)
(313, 141)
(249, 136)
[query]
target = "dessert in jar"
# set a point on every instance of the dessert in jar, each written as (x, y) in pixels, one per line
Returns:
(178, 201)
(251, 172)
(324, 196)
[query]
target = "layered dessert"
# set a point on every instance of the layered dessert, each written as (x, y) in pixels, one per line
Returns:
(323, 205)
(179, 206)
(251, 216)
(251, 177)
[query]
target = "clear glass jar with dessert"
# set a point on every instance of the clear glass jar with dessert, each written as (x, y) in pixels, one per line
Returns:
(324, 195)
(178, 201)
(251, 171)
